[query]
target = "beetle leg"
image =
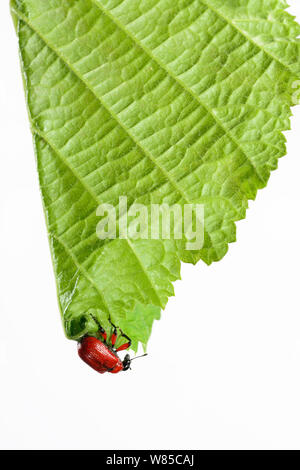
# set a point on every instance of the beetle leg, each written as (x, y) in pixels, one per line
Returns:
(114, 334)
(101, 329)
(125, 345)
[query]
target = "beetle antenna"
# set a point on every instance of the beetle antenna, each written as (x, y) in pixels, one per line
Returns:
(137, 357)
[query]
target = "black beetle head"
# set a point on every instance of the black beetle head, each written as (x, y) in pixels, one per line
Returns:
(126, 362)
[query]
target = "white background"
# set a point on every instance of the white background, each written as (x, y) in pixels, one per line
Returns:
(224, 364)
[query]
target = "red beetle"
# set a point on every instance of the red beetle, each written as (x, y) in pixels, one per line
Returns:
(101, 356)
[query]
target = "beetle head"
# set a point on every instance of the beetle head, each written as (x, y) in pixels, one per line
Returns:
(126, 362)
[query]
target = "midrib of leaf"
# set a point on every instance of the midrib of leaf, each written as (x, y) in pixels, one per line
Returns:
(115, 117)
(98, 202)
(166, 174)
(182, 84)
(177, 80)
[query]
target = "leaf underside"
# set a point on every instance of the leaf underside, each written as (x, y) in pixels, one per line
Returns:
(174, 101)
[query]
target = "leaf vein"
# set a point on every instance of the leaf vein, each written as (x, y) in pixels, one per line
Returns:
(177, 80)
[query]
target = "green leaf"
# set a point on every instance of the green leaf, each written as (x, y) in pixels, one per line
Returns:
(163, 101)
